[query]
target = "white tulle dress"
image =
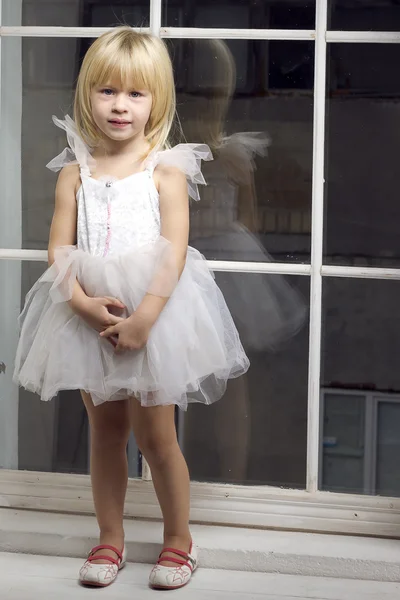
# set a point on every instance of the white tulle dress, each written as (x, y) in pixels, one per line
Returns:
(267, 310)
(193, 348)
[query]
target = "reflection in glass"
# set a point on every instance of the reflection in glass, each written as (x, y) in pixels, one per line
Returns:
(360, 387)
(262, 14)
(241, 112)
(271, 93)
(257, 433)
(76, 13)
(363, 144)
(364, 15)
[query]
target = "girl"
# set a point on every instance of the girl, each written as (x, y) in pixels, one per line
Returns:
(130, 314)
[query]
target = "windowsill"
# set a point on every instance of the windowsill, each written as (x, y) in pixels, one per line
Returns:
(317, 555)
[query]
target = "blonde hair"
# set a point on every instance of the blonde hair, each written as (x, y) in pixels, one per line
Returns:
(213, 93)
(139, 60)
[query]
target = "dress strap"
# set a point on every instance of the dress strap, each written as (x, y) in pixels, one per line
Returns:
(77, 152)
(187, 158)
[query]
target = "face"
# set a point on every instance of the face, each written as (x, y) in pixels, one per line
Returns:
(120, 113)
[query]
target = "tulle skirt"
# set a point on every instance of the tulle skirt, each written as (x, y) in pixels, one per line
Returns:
(267, 310)
(192, 350)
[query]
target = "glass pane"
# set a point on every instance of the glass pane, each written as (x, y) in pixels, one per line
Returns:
(32, 91)
(365, 15)
(388, 450)
(76, 13)
(257, 433)
(34, 435)
(361, 329)
(39, 436)
(227, 92)
(236, 14)
(252, 87)
(362, 207)
(343, 442)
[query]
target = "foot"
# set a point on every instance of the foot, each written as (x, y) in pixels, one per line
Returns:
(182, 544)
(117, 541)
(102, 571)
(174, 568)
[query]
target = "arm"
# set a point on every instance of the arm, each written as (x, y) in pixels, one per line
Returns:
(63, 225)
(63, 233)
(174, 211)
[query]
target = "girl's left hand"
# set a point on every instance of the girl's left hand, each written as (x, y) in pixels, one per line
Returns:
(130, 334)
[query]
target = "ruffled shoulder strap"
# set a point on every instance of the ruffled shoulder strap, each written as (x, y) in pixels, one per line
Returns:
(238, 150)
(77, 152)
(187, 158)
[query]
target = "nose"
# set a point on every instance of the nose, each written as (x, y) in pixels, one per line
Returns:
(119, 103)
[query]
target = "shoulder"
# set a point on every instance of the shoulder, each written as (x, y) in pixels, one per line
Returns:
(68, 179)
(181, 166)
(169, 178)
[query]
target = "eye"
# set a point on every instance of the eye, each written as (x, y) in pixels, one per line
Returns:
(107, 92)
(135, 94)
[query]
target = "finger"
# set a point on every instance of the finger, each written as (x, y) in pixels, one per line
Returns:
(110, 331)
(115, 320)
(114, 302)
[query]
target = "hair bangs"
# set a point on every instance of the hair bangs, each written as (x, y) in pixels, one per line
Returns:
(136, 73)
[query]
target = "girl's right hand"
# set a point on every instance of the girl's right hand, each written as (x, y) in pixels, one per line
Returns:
(96, 312)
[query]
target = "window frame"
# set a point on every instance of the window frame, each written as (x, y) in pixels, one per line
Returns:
(260, 506)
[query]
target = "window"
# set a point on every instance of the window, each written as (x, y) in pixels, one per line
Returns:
(318, 413)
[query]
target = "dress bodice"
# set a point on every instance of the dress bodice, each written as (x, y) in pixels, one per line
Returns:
(116, 215)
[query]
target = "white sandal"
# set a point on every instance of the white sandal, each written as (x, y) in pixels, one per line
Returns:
(102, 575)
(172, 578)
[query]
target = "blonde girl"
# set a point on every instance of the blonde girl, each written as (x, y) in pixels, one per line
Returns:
(127, 312)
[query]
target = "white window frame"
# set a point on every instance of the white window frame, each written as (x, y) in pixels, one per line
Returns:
(260, 506)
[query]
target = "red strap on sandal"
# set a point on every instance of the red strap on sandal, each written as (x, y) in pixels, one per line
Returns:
(178, 561)
(175, 551)
(101, 557)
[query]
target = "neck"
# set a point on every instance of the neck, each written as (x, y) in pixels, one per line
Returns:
(135, 147)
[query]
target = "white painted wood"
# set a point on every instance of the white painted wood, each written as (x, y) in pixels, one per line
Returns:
(221, 547)
(360, 272)
(24, 577)
(74, 32)
(165, 32)
(237, 34)
(216, 265)
(256, 506)
(364, 37)
(155, 16)
(317, 215)
(246, 267)
(227, 266)
(16, 254)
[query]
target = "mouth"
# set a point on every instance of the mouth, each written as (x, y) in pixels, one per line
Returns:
(119, 122)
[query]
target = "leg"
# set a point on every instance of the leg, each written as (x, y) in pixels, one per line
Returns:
(154, 429)
(109, 429)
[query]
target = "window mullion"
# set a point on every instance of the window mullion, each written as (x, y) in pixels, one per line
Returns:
(155, 17)
(313, 432)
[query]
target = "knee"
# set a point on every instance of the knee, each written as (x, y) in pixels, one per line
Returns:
(110, 429)
(157, 450)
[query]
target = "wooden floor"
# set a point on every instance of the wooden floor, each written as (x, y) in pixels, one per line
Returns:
(27, 577)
